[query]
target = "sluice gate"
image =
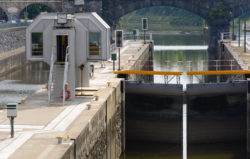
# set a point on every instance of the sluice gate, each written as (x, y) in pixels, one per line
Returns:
(216, 112)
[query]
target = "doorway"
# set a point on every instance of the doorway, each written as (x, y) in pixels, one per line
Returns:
(61, 43)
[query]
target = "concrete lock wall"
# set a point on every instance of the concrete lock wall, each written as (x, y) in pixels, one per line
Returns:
(143, 57)
(12, 62)
(104, 136)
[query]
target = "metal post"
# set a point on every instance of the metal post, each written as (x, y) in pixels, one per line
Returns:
(11, 127)
(217, 67)
(144, 36)
(231, 64)
(239, 32)
(113, 65)
(248, 118)
(221, 36)
(245, 38)
(233, 31)
(119, 63)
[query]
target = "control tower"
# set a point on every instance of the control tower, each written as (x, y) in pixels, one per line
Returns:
(67, 43)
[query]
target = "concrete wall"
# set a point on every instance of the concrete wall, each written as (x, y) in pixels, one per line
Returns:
(104, 136)
(12, 62)
(11, 39)
(144, 56)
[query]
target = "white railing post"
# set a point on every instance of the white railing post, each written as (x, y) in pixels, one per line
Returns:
(221, 36)
(65, 72)
(51, 73)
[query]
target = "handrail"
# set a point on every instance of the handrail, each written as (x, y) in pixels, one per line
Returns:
(224, 72)
(65, 72)
(51, 73)
(148, 72)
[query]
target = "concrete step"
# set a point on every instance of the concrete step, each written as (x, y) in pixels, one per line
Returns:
(86, 89)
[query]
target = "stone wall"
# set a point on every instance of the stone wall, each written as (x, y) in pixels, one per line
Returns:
(104, 136)
(11, 39)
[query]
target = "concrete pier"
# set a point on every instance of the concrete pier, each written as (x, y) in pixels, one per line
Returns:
(98, 132)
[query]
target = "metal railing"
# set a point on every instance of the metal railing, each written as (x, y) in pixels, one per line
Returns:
(12, 25)
(65, 79)
(228, 36)
(52, 60)
(168, 75)
(131, 36)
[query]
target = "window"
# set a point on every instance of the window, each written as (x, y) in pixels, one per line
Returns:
(94, 43)
(37, 44)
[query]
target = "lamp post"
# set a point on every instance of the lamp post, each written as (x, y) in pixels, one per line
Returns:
(239, 32)
(239, 25)
(245, 38)
(232, 15)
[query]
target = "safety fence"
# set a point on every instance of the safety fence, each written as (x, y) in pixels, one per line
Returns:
(168, 75)
(140, 36)
(188, 65)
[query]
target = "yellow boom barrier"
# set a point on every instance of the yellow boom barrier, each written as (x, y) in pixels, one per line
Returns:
(135, 72)
(225, 72)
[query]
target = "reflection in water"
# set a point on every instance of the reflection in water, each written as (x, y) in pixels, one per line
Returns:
(23, 82)
(180, 60)
(149, 150)
(152, 150)
(183, 61)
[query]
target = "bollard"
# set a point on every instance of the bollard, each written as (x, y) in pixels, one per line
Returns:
(89, 106)
(59, 139)
(108, 83)
(96, 97)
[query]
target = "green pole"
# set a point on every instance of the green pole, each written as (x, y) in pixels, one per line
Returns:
(245, 38)
(239, 32)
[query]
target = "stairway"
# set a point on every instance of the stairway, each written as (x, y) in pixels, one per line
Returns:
(57, 79)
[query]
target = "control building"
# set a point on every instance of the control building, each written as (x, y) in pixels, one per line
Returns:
(67, 43)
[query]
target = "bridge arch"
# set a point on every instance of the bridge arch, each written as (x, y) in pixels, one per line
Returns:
(3, 15)
(34, 10)
(190, 19)
(121, 8)
(113, 10)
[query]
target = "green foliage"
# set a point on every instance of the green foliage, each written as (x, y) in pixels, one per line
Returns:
(220, 11)
(161, 18)
(25, 16)
(34, 10)
(3, 15)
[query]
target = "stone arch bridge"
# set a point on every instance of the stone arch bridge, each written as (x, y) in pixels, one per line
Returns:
(112, 10)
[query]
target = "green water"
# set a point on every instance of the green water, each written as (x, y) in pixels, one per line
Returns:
(149, 150)
(178, 61)
(181, 60)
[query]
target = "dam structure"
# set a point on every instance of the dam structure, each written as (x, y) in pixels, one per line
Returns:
(90, 107)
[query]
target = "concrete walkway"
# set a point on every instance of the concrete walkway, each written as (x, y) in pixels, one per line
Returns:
(39, 123)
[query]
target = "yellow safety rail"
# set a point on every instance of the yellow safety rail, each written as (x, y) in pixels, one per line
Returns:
(225, 72)
(148, 72)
